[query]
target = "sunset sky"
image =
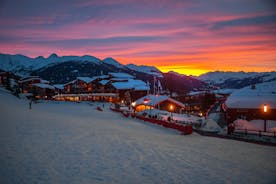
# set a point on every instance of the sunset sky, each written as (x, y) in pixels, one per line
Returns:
(189, 37)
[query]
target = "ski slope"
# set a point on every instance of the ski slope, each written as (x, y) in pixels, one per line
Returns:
(59, 142)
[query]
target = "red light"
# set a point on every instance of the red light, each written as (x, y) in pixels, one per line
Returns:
(146, 100)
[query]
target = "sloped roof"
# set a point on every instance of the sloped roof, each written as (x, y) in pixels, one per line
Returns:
(104, 82)
(44, 81)
(86, 79)
(153, 100)
(30, 79)
(71, 82)
(103, 76)
(137, 85)
(44, 86)
(122, 85)
(59, 86)
(264, 93)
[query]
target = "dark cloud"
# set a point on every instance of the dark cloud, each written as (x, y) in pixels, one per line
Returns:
(99, 41)
(270, 19)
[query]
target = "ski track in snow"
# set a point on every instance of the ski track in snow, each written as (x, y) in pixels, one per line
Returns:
(74, 143)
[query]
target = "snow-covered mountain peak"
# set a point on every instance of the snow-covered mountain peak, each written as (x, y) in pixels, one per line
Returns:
(237, 79)
(145, 69)
(39, 57)
(111, 61)
(21, 64)
(53, 55)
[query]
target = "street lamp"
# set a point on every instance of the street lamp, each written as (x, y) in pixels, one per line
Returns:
(265, 108)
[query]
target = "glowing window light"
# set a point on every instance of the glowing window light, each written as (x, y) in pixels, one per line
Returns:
(171, 107)
(265, 108)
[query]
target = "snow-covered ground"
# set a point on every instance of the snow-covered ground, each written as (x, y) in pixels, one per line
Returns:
(58, 142)
(255, 125)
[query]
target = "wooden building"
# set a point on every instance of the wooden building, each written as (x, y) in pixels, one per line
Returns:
(252, 103)
(79, 85)
(43, 91)
(26, 83)
(161, 102)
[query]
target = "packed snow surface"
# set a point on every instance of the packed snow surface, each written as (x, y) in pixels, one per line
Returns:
(59, 142)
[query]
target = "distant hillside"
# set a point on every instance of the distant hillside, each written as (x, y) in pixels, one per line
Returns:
(62, 69)
(237, 79)
(175, 82)
(23, 65)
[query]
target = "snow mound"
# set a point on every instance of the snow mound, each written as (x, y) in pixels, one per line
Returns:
(211, 126)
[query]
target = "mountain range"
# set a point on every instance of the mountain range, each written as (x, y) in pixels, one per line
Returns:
(237, 80)
(62, 69)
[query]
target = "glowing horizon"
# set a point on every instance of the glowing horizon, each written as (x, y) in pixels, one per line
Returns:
(187, 37)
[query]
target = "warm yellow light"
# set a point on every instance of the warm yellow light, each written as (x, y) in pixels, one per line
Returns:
(265, 108)
(171, 107)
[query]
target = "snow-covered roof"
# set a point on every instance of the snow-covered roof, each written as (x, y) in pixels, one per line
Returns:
(86, 79)
(104, 82)
(103, 76)
(153, 100)
(119, 79)
(44, 86)
(71, 82)
(264, 93)
(137, 85)
(196, 93)
(30, 79)
(44, 81)
(59, 86)
(120, 75)
(122, 85)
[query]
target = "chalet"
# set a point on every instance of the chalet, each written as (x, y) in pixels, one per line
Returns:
(26, 83)
(248, 103)
(79, 85)
(43, 91)
(128, 89)
(198, 102)
(161, 102)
